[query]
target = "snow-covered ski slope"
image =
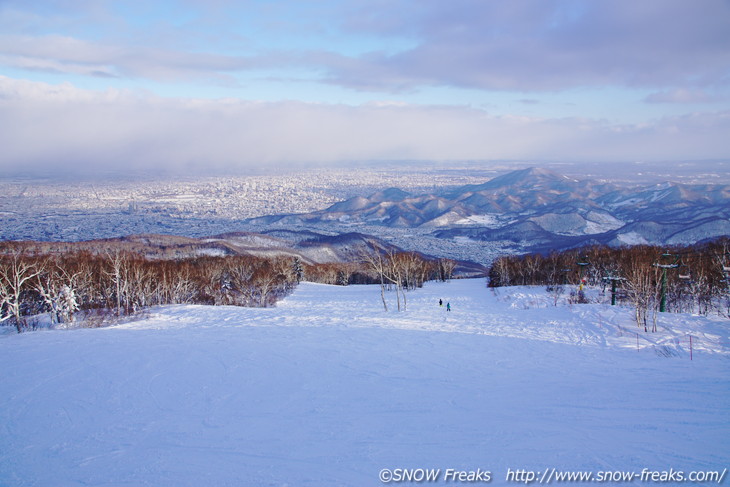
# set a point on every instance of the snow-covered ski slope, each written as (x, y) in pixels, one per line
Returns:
(327, 389)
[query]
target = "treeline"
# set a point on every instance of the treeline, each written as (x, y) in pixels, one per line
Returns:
(119, 283)
(691, 279)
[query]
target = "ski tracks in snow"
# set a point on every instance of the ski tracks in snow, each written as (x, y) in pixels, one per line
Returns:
(522, 312)
(327, 388)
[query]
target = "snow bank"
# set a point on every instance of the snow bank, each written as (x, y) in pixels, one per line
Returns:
(327, 389)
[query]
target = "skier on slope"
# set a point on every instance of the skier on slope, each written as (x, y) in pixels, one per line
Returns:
(448, 306)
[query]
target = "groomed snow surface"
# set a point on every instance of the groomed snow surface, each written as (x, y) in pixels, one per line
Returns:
(327, 389)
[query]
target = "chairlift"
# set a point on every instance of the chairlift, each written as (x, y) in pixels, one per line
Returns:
(613, 278)
(684, 272)
(667, 257)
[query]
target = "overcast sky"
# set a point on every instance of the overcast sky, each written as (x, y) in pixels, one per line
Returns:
(191, 85)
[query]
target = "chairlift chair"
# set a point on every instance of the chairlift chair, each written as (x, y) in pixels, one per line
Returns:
(684, 272)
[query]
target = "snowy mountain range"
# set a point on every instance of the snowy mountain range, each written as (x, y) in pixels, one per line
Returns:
(540, 209)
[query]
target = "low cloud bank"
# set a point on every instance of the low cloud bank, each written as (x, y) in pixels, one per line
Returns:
(56, 128)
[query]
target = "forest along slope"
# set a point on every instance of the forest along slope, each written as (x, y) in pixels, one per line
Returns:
(328, 389)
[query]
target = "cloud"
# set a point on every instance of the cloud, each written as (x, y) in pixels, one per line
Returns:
(681, 95)
(64, 54)
(55, 129)
(550, 45)
(520, 45)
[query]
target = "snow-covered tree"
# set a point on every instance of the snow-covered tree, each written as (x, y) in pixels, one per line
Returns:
(67, 304)
(16, 274)
(56, 286)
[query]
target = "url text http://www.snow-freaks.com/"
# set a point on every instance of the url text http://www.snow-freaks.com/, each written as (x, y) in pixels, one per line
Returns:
(548, 476)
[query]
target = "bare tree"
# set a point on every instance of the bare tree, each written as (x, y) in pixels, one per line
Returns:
(215, 280)
(119, 274)
(376, 262)
(641, 289)
(264, 282)
(240, 273)
(446, 269)
(140, 288)
(182, 286)
(499, 274)
(394, 273)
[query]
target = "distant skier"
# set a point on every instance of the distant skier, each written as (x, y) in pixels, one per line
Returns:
(448, 306)
(441, 302)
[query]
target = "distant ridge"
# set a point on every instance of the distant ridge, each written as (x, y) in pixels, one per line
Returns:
(538, 208)
(308, 246)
